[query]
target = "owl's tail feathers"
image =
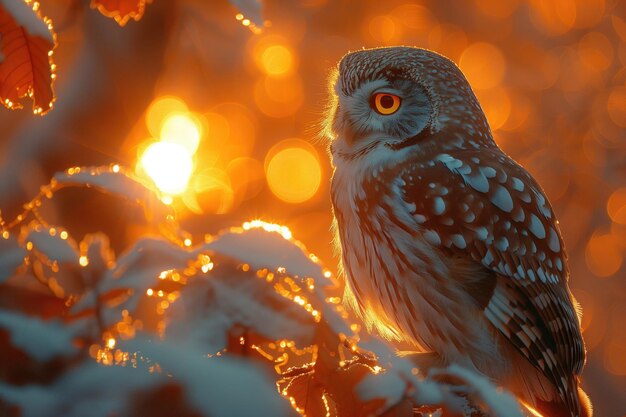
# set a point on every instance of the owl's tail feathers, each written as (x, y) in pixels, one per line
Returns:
(558, 409)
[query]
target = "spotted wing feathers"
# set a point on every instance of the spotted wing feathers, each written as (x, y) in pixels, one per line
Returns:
(483, 206)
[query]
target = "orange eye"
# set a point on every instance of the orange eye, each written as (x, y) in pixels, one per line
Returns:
(385, 103)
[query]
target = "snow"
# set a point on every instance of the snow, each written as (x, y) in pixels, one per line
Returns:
(27, 18)
(215, 386)
(11, 257)
(42, 340)
(88, 390)
(118, 183)
(388, 386)
(500, 403)
(261, 249)
(52, 246)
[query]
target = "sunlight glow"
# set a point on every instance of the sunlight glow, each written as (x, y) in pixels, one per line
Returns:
(169, 165)
(268, 227)
(160, 109)
(531, 410)
(169, 159)
(181, 128)
(294, 174)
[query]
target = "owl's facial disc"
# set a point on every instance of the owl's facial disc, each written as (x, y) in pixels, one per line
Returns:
(378, 112)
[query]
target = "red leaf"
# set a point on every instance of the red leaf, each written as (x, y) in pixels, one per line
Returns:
(26, 67)
(121, 10)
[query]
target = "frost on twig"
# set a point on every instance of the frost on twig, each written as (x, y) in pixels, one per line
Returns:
(246, 322)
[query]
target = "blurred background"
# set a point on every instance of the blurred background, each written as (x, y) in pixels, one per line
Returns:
(224, 116)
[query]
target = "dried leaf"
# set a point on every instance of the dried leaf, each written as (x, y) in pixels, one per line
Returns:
(26, 68)
(121, 10)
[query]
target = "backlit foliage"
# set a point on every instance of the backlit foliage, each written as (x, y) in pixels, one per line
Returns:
(26, 67)
(121, 10)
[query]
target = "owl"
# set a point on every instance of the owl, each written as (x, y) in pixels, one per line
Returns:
(447, 244)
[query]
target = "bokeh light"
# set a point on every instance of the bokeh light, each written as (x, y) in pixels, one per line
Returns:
(168, 158)
(483, 64)
(616, 106)
(159, 109)
(497, 106)
(276, 60)
(384, 29)
(616, 206)
(212, 191)
(279, 97)
(273, 55)
(169, 165)
(182, 128)
(293, 171)
(603, 255)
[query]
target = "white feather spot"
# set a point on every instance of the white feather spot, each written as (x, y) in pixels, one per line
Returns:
(518, 185)
(531, 274)
(520, 271)
(488, 259)
(502, 244)
(553, 241)
(501, 198)
(477, 181)
(559, 264)
(449, 161)
(536, 227)
(488, 171)
(459, 241)
(541, 274)
(439, 206)
(481, 232)
(525, 197)
(519, 215)
(432, 237)
(420, 218)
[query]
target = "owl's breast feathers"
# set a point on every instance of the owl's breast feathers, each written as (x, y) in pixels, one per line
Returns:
(480, 207)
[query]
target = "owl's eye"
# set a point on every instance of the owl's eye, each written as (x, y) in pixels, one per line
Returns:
(385, 103)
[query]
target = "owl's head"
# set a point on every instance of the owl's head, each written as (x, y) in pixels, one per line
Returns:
(392, 99)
